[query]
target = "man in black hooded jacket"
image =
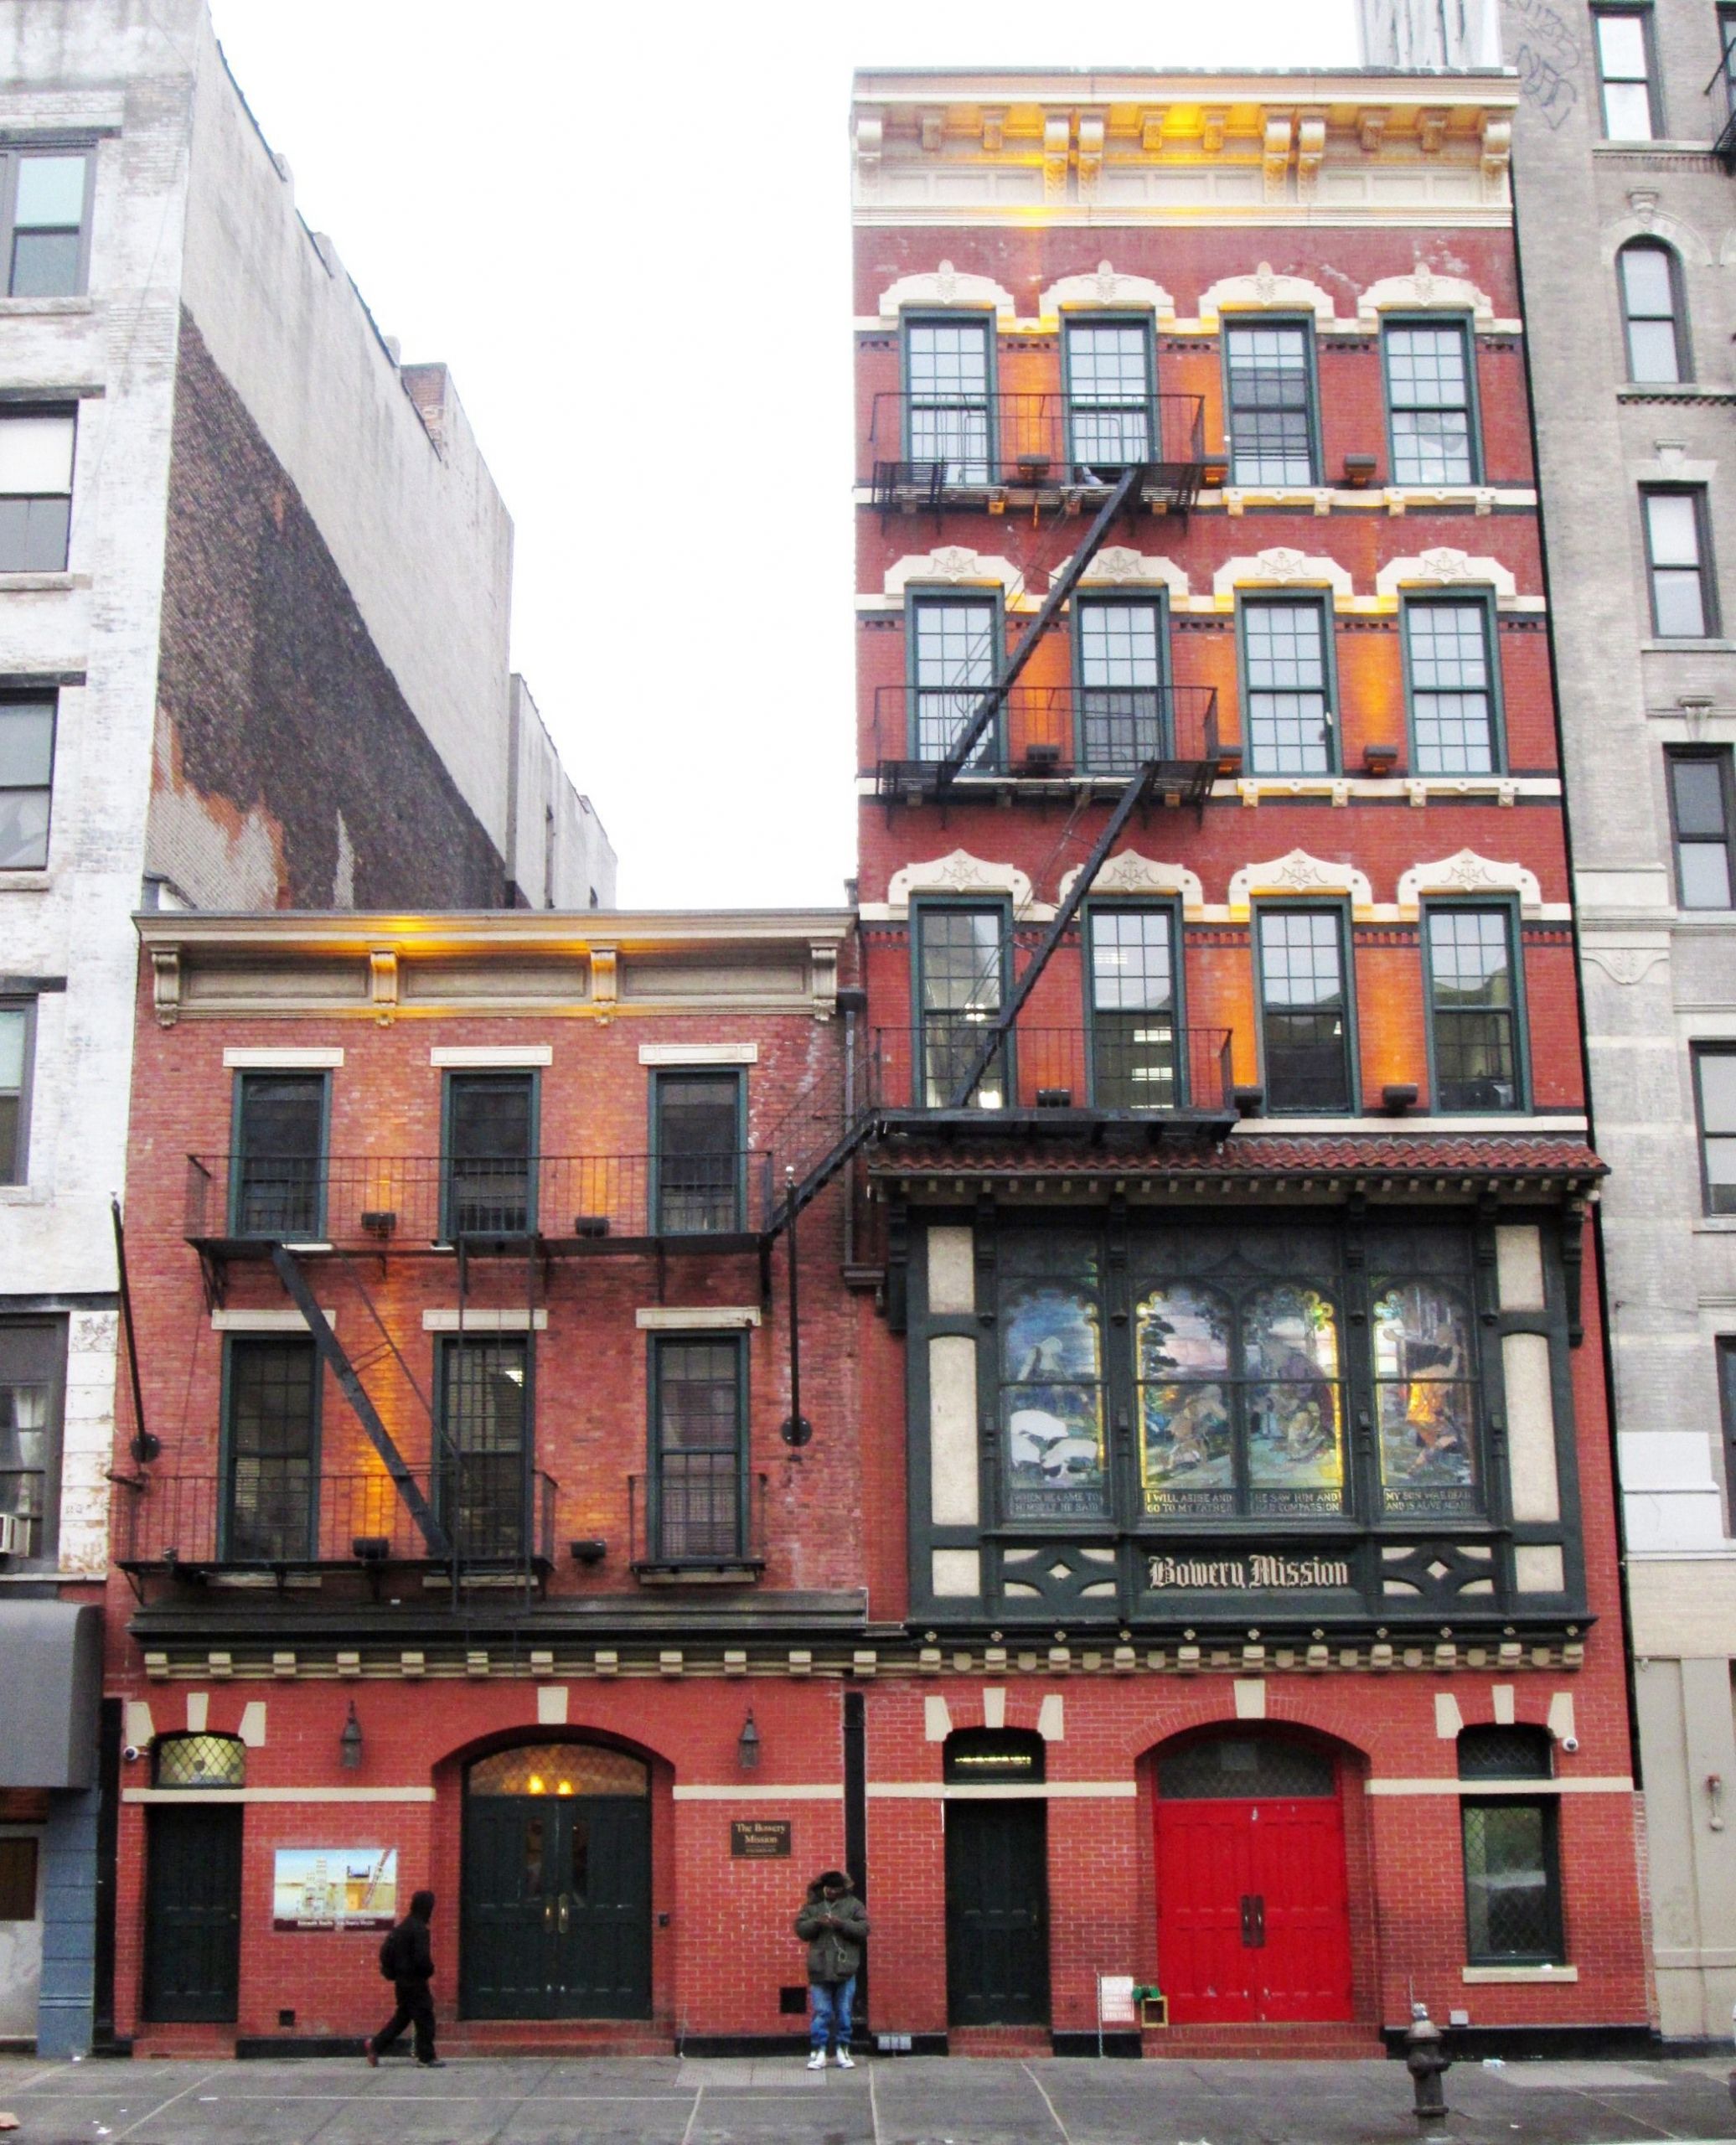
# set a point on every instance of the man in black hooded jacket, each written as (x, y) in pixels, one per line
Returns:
(406, 1959)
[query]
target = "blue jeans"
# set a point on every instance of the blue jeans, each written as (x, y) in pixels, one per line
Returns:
(832, 2001)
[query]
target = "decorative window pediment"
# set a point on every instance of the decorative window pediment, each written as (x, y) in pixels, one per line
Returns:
(955, 565)
(958, 872)
(1424, 291)
(1279, 568)
(1107, 291)
(1118, 566)
(1298, 873)
(944, 286)
(1468, 873)
(1443, 567)
(1265, 292)
(1128, 873)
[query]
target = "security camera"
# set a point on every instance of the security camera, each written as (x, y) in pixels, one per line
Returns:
(131, 1754)
(1570, 1743)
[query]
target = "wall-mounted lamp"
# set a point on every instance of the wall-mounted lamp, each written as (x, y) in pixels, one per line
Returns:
(747, 1745)
(349, 1741)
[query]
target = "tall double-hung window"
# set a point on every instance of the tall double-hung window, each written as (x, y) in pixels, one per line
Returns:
(1305, 1011)
(45, 212)
(481, 1483)
(961, 969)
(954, 658)
(948, 404)
(36, 449)
(1119, 651)
(1449, 666)
(1287, 685)
(1625, 72)
(699, 1448)
(1430, 403)
(271, 1448)
(1135, 1044)
(1474, 1008)
(1268, 367)
(27, 775)
(1109, 404)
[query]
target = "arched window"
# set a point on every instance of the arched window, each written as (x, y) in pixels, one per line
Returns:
(1652, 312)
(199, 1761)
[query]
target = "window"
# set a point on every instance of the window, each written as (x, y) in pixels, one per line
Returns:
(947, 373)
(35, 490)
(1134, 1056)
(696, 1139)
(1472, 997)
(490, 1146)
(1270, 399)
(1447, 647)
(960, 961)
(1512, 1876)
(18, 1880)
(1715, 1085)
(17, 1038)
(1304, 1013)
(1624, 42)
(272, 1441)
(1682, 603)
(1652, 312)
(1429, 402)
(1425, 1385)
(480, 1481)
(278, 1184)
(1119, 650)
(1109, 394)
(199, 1761)
(698, 1506)
(27, 768)
(1700, 820)
(1050, 1348)
(954, 644)
(1289, 719)
(1727, 1400)
(32, 1385)
(47, 206)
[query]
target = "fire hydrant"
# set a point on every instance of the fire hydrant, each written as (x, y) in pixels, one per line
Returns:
(1426, 2060)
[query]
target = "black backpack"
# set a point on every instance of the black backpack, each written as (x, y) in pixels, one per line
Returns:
(389, 1955)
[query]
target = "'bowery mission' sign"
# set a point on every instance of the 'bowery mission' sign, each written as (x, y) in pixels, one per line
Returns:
(1192, 1574)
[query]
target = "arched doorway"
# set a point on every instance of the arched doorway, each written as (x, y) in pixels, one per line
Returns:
(557, 1884)
(997, 1880)
(1252, 1901)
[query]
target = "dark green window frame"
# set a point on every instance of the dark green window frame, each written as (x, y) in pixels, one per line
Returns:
(1448, 599)
(1508, 911)
(1260, 601)
(1132, 436)
(1463, 328)
(32, 1422)
(1508, 1836)
(1727, 1410)
(921, 441)
(28, 721)
(476, 1199)
(278, 1196)
(73, 283)
(1116, 726)
(1704, 843)
(1643, 370)
(482, 1493)
(1338, 911)
(1230, 325)
(17, 1083)
(282, 1524)
(704, 1520)
(1716, 1124)
(1665, 576)
(1134, 1050)
(694, 1193)
(942, 1047)
(939, 711)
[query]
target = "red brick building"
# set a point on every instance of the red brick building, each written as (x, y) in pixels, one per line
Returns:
(1189, 1560)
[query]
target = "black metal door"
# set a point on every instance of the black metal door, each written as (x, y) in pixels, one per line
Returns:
(997, 1913)
(193, 1913)
(557, 1907)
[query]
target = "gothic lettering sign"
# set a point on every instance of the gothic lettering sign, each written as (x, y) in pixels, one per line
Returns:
(1245, 1574)
(759, 1839)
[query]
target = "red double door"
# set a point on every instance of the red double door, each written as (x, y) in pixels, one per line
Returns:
(1253, 1914)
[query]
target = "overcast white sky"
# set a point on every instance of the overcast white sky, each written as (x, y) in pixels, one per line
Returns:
(565, 200)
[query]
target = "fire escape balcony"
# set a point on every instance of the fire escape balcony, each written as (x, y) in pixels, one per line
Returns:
(1139, 1070)
(282, 1521)
(1048, 740)
(567, 1205)
(989, 453)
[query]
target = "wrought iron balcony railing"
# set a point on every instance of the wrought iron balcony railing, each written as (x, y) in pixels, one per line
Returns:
(368, 1202)
(1051, 733)
(1134, 1065)
(280, 1514)
(698, 1516)
(925, 449)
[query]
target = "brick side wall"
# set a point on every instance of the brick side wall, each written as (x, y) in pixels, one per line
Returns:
(291, 772)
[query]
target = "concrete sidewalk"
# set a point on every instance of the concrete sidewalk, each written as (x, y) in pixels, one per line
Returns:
(921, 2101)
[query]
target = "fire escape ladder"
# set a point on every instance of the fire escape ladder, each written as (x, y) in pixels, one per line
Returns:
(1059, 593)
(331, 1352)
(995, 1034)
(837, 1157)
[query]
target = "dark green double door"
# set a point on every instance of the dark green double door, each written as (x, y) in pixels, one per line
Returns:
(997, 1913)
(557, 1907)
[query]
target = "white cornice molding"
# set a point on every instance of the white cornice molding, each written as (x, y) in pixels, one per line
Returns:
(958, 872)
(1106, 291)
(1298, 873)
(1265, 292)
(1466, 872)
(943, 288)
(1424, 291)
(1128, 873)
(1278, 568)
(1444, 567)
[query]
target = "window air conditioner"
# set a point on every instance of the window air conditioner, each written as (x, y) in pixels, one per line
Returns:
(14, 1534)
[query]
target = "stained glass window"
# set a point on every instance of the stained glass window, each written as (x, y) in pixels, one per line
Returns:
(1187, 1461)
(559, 1768)
(1051, 1391)
(201, 1761)
(1424, 1369)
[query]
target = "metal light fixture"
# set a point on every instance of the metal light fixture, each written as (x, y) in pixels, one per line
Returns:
(747, 1745)
(349, 1741)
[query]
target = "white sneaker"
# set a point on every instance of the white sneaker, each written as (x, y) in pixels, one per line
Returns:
(846, 2061)
(817, 2060)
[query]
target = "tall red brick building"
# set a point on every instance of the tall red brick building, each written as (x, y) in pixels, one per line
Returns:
(1093, 1424)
